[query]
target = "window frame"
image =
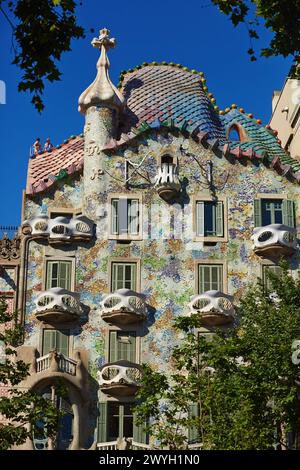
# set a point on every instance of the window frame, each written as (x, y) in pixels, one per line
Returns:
(214, 238)
(264, 268)
(125, 236)
(274, 196)
(104, 414)
(62, 211)
(58, 259)
(210, 262)
(48, 328)
(122, 331)
(124, 260)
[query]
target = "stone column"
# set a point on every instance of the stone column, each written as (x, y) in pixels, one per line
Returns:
(101, 103)
(98, 130)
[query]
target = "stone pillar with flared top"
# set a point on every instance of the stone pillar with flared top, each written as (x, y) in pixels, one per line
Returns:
(101, 103)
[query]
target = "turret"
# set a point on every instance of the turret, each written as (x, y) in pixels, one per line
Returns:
(101, 103)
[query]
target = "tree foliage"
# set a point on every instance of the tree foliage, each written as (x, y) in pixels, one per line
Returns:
(243, 380)
(42, 31)
(280, 17)
(22, 412)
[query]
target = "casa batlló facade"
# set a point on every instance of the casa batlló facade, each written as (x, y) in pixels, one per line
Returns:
(164, 206)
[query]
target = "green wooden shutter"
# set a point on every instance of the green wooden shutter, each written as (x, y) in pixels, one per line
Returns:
(49, 341)
(123, 216)
(115, 216)
(51, 274)
(132, 348)
(139, 435)
(120, 275)
(219, 219)
(133, 276)
(288, 216)
(62, 342)
(102, 421)
(113, 346)
(64, 275)
(266, 270)
(193, 434)
(126, 346)
(257, 213)
(133, 216)
(200, 219)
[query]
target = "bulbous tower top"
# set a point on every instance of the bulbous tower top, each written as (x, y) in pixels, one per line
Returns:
(102, 91)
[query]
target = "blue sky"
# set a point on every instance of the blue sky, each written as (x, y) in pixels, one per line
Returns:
(187, 32)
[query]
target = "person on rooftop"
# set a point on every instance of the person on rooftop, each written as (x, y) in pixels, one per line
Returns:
(48, 145)
(37, 146)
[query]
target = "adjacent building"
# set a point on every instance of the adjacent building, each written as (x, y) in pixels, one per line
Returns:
(164, 206)
(286, 115)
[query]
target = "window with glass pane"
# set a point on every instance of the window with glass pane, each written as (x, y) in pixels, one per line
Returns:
(274, 211)
(56, 339)
(125, 216)
(120, 420)
(123, 276)
(271, 211)
(269, 268)
(210, 277)
(65, 429)
(58, 274)
(209, 219)
(122, 346)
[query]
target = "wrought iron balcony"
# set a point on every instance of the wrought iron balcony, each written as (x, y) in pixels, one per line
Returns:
(58, 305)
(213, 307)
(60, 229)
(120, 378)
(275, 239)
(167, 182)
(124, 306)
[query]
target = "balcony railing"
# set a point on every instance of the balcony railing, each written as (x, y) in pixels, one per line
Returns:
(124, 306)
(57, 305)
(111, 445)
(129, 444)
(60, 228)
(120, 378)
(275, 239)
(166, 181)
(213, 308)
(56, 362)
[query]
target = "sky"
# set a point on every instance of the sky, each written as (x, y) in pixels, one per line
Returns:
(193, 33)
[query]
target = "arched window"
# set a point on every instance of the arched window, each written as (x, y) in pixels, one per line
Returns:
(64, 435)
(236, 133)
(167, 159)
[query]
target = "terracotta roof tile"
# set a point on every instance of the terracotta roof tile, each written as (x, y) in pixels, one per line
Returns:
(167, 96)
(44, 169)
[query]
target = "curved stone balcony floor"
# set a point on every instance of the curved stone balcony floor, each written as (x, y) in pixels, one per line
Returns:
(274, 240)
(58, 305)
(214, 308)
(121, 378)
(124, 307)
(60, 229)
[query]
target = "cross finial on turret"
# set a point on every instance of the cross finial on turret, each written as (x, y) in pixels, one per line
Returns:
(102, 91)
(104, 40)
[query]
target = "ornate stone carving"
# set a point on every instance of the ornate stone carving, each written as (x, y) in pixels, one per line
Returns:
(102, 91)
(274, 239)
(61, 228)
(120, 378)
(58, 305)
(213, 307)
(10, 248)
(124, 306)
